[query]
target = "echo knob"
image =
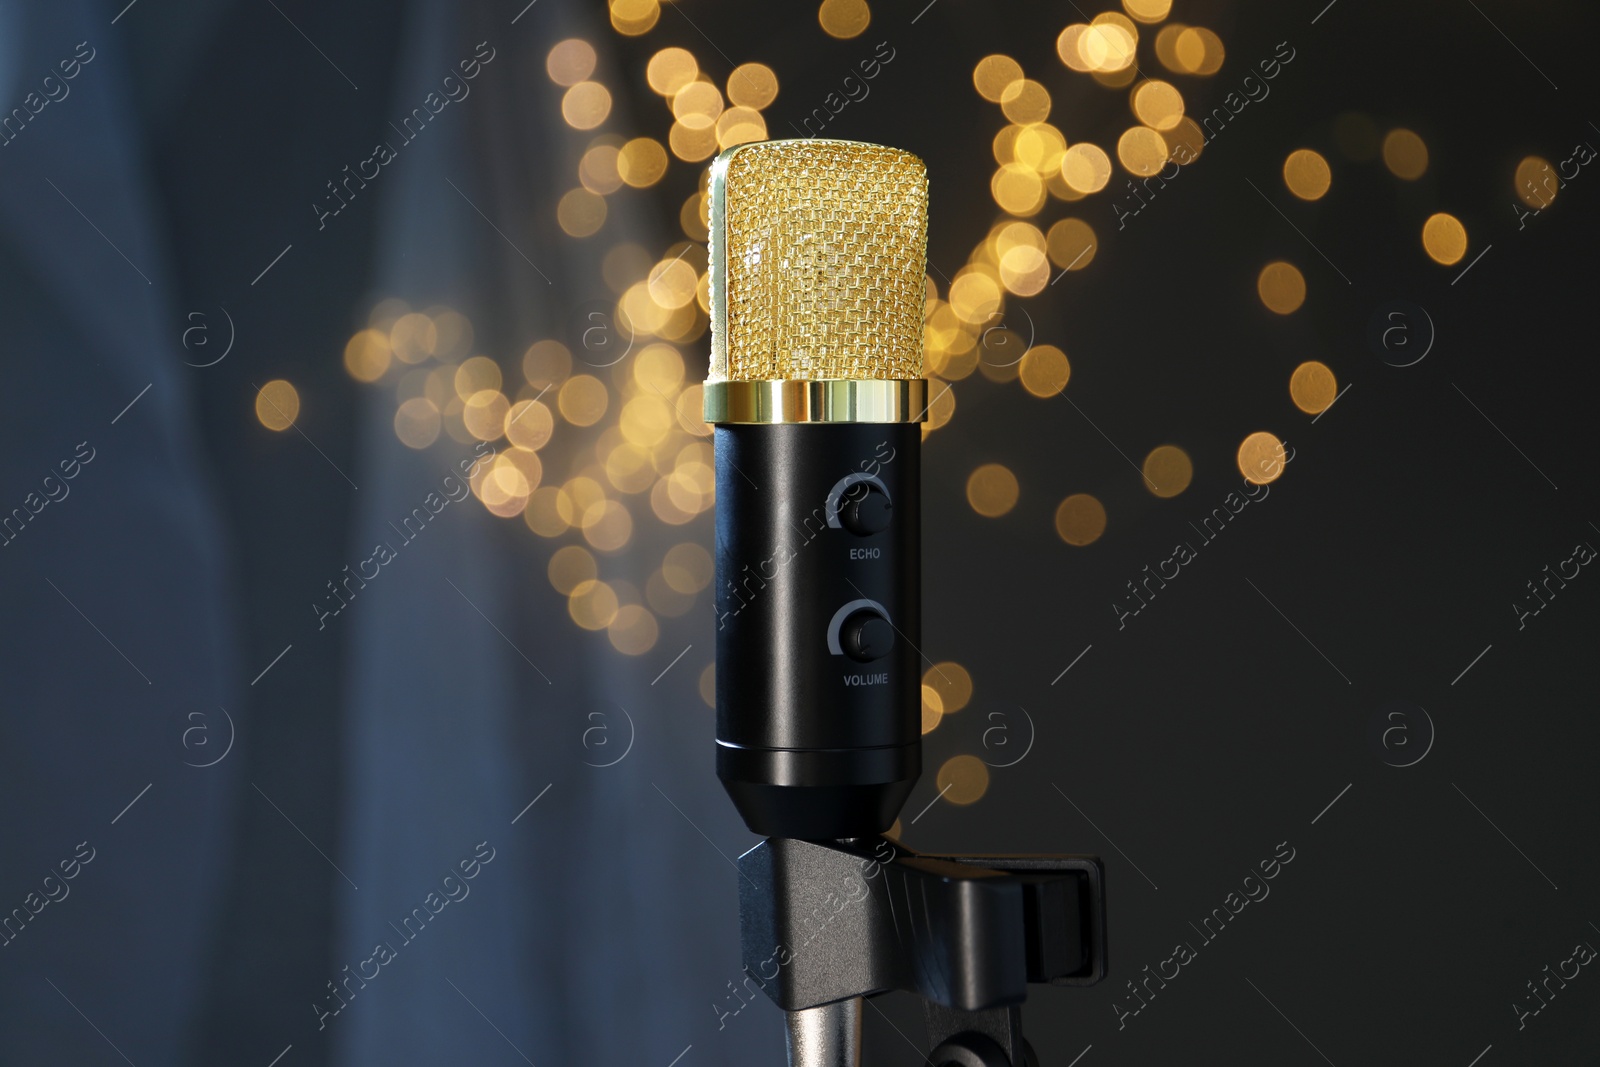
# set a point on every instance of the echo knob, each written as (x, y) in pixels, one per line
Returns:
(865, 635)
(865, 509)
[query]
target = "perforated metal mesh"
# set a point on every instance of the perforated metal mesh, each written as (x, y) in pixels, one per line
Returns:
(819, 273)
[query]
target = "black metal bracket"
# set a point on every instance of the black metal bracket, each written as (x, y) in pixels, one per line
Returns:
(824, 921)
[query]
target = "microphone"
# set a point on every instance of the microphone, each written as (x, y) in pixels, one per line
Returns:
(815, 393)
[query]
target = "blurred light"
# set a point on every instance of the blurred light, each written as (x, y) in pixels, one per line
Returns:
(1017, 189)
(1086, 168)
(659, 368)
(692, 145)
(752, 85)
(943, 406)
(963, 779)
(582, 400)
(844, 18)
(708, 685)
(1148, 10)
(1142, 151)
(953, 684)
(1108, 45)
(1185, 141)
(974, 296)
(1198, 51)
(413, 337)
(697, 105)
(529, 425)
(1067, 47)
(570, 61)
(642, 162)
(634, 630)
(932, 709)
(740, 125)
(477, 373)
(592, 605)
(1405, 154)
(569, 567)
(1041, 146)
(1157, 104)
(607, 525)
(1444, 238)
(1072, 244)
(1167, 47)
(597, 171)
(546, 363)
(625, 264)
(586, 105)
(1025, 101)
(581, 212)
(367, 355)
(1045, 370)
(1080, 519)
(994, 75)
(417, 422)
(1282, 287)
(1535, 183)
(484, 414)
(992, 490)
(1312, 387)
(1306, 174)
(277, 405)
(670, 70)
(543, 514)
(1261, 458)
(1167, 471)
(631, 18)
(687, 567)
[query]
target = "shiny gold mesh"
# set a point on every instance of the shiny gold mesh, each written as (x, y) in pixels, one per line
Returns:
(820, 266)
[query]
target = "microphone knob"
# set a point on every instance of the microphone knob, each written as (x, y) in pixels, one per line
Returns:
(865, 636)
(865, 510)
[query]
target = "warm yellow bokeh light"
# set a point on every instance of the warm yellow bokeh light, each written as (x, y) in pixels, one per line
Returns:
(633, 631)
(582, 400)
(844, 18)
(413, 337)
(752, 85)
(1025, 101)
(994, 75)
(1148, 10)
(1282, 287)
(641, 162)
(1313, 387)
(963, 779)
(367, 355)
(1080, 519)
(277, 405)
(1306, 174)
(1261, 458)
(1158, 104)
(592, 605)
(932, 709)
(570, 61)
(670, 70)
(417, 422)
(586, 105)
(1535, 182)
(992, 490)
(1142, 151)
(1405, 154)
(1167, 471)
(697, 105)
(953, 684)
(1072, 244)
(1444, 238)
(1086, 168)
(529, 425)
(570, 566)
(581, 212)
(1198, 51)
(546, 363)
(1045, 370)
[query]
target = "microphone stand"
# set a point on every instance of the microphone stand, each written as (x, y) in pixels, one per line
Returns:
(826, 924)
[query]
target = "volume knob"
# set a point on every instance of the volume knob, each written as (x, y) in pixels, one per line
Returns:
(866, 635)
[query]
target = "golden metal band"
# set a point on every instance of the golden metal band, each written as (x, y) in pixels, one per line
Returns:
(827, 400)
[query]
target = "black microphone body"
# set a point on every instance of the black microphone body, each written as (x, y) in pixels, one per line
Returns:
(818, 579)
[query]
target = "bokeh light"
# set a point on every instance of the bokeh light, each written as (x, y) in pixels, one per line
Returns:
(844, 18)
(277, 405)
(963, 779)
(992, 490)
(1080, 519)
(1167, 470)
(1261, 458)
(1044, 370)
(1313, 387)
(994, 75)
(1405, 154)
(1444, 238)
(952, 683)
(1306, 173)
(1282, 287)
(1535, 182)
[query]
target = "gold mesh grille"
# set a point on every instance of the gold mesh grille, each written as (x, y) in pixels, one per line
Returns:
(818, 252)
